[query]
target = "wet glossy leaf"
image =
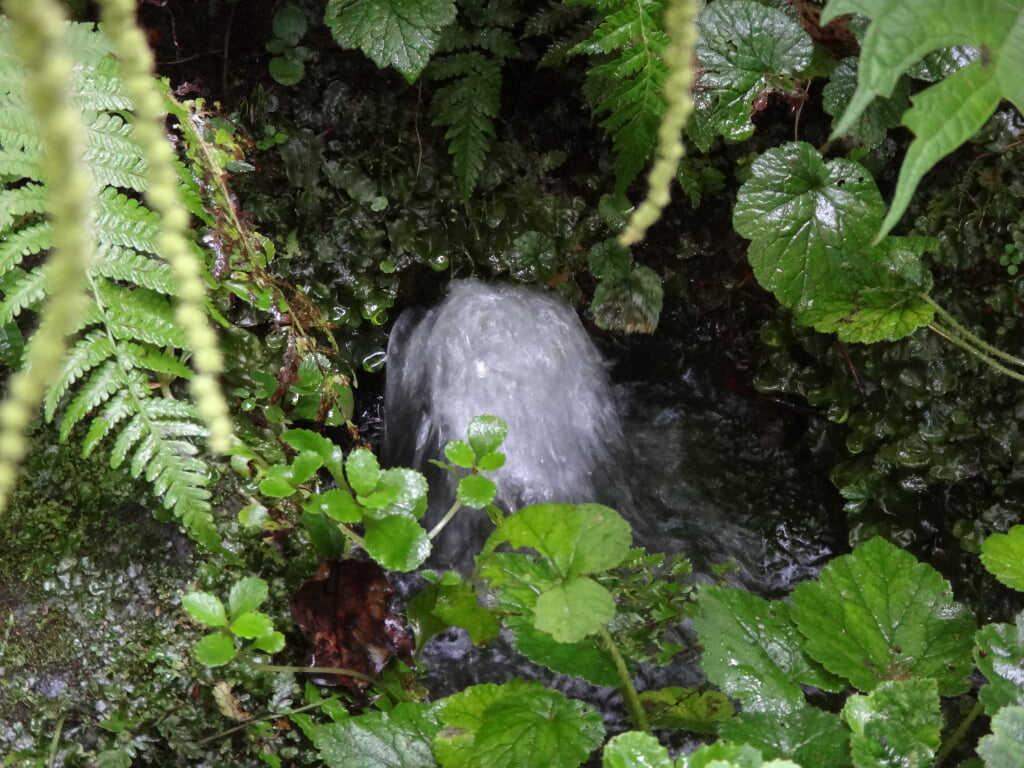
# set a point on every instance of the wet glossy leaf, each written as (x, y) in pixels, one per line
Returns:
(586, 659)
(362, 470)
(327, 540)
(608, 260)
(1000, 657)
(635, 750)
(393, 33)
(460, 453)
(272, 643)
(491, 461)
(571, 611)
(397, 543)
(246, 595)
(205, 608)
(898, 725)
(631, 304)
(687, 709)
(1005, 747)
(335, 504)
(746, 49)
(304, 466)
(400, 738)
(806, 735)
(1002, 554)
(398, 492)
(486, 434)
(215, 650)
(252, 624)
(306, 440)
(475, 491)
(882, 114)
(289, 24)
(459, 605)
(877, 614)
(517, 724)
(753, 652)
(809, 222)
(286, 71)
(278, 482)
(576, 538)
(946, 114)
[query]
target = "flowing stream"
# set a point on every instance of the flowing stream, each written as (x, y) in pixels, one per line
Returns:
(693, 466)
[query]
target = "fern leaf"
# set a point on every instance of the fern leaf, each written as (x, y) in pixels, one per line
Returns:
(19, 132)
(117, 409)
(84, 356)
(100, 86)
(629, 85)
(126, 440)
(140, 315)
(20, 201)
(104, 382)
(22, 290)
(468, 107)
(27, 241)
(113, 157)
(126, 222)
(127, 265)
(155, 360)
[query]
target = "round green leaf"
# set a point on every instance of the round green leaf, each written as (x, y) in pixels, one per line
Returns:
(1005, 747)
(289, 24)
(475, 491)
(278, 482)
(205, 608)
(362, 470)
(252, 624)
(397, 543)
(246, 595)
(486, 434)
(571, 611)
(491, 461)
(588, 659)
(287, 71)
(215, 650)
(635, 750)
(335, 504)
(398, 492)
(460, 453)
(272, 643)
(999, 652)
(1003, 555)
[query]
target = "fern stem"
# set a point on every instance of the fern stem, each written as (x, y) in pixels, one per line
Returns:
(39, 34)
(953, 739)
(681, 26)
(136, 59)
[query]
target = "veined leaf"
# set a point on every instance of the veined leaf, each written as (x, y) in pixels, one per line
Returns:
(999, 653)
(635, 750)
(877, 614)
(898, 725)
(746, 49)
(1004, 748)
(806, 735)
(1002, 554)
(400, 738)
(393, 33)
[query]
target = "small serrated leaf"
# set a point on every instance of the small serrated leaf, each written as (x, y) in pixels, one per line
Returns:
(206, 608)
(460, 453)
(215, 650)
(571, 611)
(475, 491)
(246, 595)
(1002, 554)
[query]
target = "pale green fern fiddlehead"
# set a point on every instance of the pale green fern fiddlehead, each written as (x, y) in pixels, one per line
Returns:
(40, 38)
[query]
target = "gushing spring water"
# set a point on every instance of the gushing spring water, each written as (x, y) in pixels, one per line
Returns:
(507, 351)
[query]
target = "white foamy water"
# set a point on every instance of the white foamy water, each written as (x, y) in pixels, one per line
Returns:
(509, 351)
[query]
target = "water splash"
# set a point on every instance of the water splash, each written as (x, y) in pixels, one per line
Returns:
(509, 351)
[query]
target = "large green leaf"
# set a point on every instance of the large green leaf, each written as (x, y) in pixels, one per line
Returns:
(400, 738)
(809, 736)
(948, 113)
(877, 614)
(897, 725)
(1000, 657)
(882, 114)
(516, 724)
(1005, 747)
(393, 33)
(809, 223)
(576, 538)
(635, 750)
(1003, 555)
(587, 659)
(746, 49)
(753, 652)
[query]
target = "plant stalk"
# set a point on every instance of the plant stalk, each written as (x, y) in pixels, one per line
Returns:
(953, 739)
(950, 335)
(629, 693)
(966, 335)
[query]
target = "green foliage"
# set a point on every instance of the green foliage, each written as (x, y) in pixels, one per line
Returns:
(627, 80)
(393, 33)
(241, 621)
(747, 50)
(1003, 556)
(947, 114)
(128, 352)
(288, 66)
(1004, 748)
(400, 738)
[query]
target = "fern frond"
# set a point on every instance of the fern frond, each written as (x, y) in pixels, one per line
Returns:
(22, 291)
(629, 83)
(155, 360)
(105, 381)
(121, 220)
(468, 107)
(140, 315)
(19, 131)
(113, 157)
(117, 409)
(28, 241)
(88, 352)
(20, 201)
(130, 266)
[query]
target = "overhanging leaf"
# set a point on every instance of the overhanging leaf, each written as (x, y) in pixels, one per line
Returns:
(877, 614)
(897, 725)
(587, 659)
(1000, 657)
(393, 33)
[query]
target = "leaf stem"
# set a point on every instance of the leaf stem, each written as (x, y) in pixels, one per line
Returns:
(310, 670)
(444, 520)
(953, 739)
(628, 690)
(966, 335)
(964, 344)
